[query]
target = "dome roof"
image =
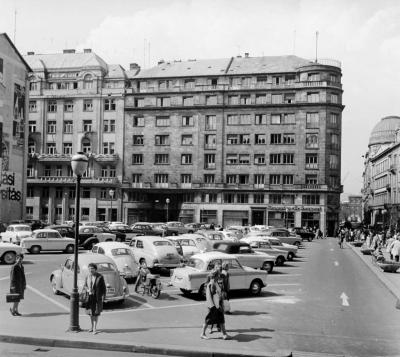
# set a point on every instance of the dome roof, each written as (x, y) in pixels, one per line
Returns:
(384, 132)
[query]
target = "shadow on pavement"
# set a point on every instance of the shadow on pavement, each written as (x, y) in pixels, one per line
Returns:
(248, 313)
(45, 314)
(123, 330)
(240, 337)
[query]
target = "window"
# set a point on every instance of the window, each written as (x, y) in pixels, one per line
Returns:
(314, 77)
(274, 159)
(259, 179)
(108, 171)
(333, 162)
(232, 139)
(244, 179)
(334, 141)
(276, 80)
(33, 86)
(276, 138)
(231, 179)
(52, 106)
(47, 171)
(259, 159)
(334, 98)
(189, 83)
(310, 199)
(209, 161)
(275, 199)
(334, 181)
(87, 105)
(87, 82)
(211, 100)
(311, 179)
(51, 148)
(161, 159)
(288, 159)
(188, 101)
(67, 148)
(86, 146)
(242, 198)
(313, 97)
(186, 178)
(30, 192)
(262, 81)
(108, 148)
(311, 161)
(209, 179)
(163, 84)
(333, 78)
(85, 192)
(261, 99)
(186, 159)
(59, 193)
(260, 139)
(242, 119)
(68, 127)
(245, 99)
(312, 120)
(139, 102)
(210, 141)
(51, 127)
(244, 159)
(68, 106)
(32, 126)
(260, 119)
(275, 119)
(333, 119)
(32, 106)
(289, 118)
(162, 139)
(276, 99)
(138, 140)
(104, 193)
(288, 199)
(30, 172)
(258, 198)
(187, 120)
(232, 159)
(289, 98)
(287, 179)
(312, 141)
(109, 125)
(163, 102)
(136, 178)
(45, 192)
(162, 121)
(138, 121)
(87, 125)
(137, 159)
(288, 139)
(109, 104)
(161, 178)
(245, 119)
(31, 147)
(71, 193)
(211, 122)
(275, 179)
(229, 198)
(233, 99)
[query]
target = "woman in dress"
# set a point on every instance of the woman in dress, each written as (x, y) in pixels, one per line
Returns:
(17, 283)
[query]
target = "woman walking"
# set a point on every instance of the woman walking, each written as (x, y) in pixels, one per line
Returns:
(225, 288)
(96, 287)
(17, 283)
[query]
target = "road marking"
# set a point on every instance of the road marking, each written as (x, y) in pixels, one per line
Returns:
(132, 298)
(48, 298)
(336, 263)
(8, 277)
(345, 299)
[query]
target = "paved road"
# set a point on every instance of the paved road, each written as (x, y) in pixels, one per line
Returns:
(326, 301)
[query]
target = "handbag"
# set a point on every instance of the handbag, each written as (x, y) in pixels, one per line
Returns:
(227, 306)
(84, 298)
(12, 297)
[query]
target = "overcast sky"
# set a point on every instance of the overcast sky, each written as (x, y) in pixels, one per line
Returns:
(363, 34)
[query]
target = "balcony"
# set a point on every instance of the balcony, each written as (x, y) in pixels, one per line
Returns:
(161, 185)
(71, 180)
(106, 157)
(53, 157)
(137, 184)
(186, 185)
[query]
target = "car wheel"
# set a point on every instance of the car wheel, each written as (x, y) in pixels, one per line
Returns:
(290, 256)
(35, 249)
(255, 287)
(54, 286)
(280, 260)
(69, 249)
(9, 257)
(267, 266)
(202, 292)
(186, 292)
(142, 260)
(155, 292)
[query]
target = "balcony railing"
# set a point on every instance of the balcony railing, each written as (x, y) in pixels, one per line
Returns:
(106, 157)
(53, 157)
(72, 180)
(161, 185)
(186, 185)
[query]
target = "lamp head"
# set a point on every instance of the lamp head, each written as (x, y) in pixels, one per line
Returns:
(167, 201)
(111, 192)
(79, 163)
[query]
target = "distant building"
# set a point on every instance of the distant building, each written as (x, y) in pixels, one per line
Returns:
(352, 209)
(13, 108)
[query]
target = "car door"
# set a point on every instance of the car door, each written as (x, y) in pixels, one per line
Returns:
(41, 239)
(237, 275)
(67, 276)
(245, 258)
(7, 235)
(56, 241)
(139, 251)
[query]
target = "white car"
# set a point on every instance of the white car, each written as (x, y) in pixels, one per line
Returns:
(47, 239)
(122, 256)
(192, 277)
(264, 246)
(276, 243)
(8, 252)
(220, 235)
(279, 234)
(191, 244)
(15, 232)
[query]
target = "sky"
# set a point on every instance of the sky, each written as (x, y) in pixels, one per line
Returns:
(364, 35)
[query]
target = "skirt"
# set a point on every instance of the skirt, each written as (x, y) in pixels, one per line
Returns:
(94, 307)
(215, 316)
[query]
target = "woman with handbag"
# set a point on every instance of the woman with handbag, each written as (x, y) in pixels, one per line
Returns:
(225, 288)
(96, 288)
(17, 283)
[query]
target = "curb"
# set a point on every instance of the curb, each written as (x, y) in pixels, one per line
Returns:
(138, 348)
(380, 275)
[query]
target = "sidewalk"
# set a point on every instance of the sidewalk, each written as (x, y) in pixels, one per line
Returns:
(390, 280)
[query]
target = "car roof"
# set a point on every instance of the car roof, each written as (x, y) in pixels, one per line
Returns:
(229, 242)
(86, 258)
(213, 255)
(44, 230)
(54, 226)
(149, 238)
(81, 227)
(20, 225)
(111, 245)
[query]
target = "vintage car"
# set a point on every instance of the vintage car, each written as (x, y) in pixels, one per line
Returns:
(176, 228)
(64, 229)
(192, 277)
(145, 228)
(47, 239)
(91, 235)
(282, 234)
(289, 248)
(246, 256)
(305, 234)
(61, 280)
(262, 245)
(157, 252)
(191, 243)
(122, 256)
(220, 235)
(8, 252)
(15, 232)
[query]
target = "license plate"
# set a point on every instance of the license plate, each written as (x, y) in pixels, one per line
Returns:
(170, 255)
(110, 290)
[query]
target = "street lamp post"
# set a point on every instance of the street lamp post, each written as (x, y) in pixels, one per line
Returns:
(167, 201)
(79, 163)
(286, 217)
(111, 193)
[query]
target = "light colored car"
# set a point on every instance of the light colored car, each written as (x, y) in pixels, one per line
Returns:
(8, 252)
(61, 280)
(276, 243)
(15, 232)
(175, 228)
(259, 228)
(192, 277)
(91, 235)
(122, 256)
(262, 245)
(284, 236)
(191, 244)
(220, 235)
(157, 252)
(45, 240)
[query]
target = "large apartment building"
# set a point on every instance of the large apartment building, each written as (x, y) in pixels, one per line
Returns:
(76, 104)
(243, 140)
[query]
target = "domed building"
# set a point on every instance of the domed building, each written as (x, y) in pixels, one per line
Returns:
(380, 187)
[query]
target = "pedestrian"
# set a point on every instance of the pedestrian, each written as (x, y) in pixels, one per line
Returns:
(17, 283)
(96, 287)
(142, 275)
(389, 246)
(225, 288)
(395, 251)
(212, 227)
(215, 314)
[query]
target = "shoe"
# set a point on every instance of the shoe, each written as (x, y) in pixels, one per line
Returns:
(204, 337)
(226, 337)
(90, 330)
(16, 313)
(95, 332)
(12, 312)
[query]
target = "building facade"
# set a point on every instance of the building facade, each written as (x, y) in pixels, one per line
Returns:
(76, 104)
(13, 108)
(244, 140)
(351, 210)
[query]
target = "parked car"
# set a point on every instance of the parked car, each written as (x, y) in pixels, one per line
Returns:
(289, 248)
(246, 256)
(120, 235)
(90, 235)
(64, 229)
(146, 228)
(35, 224)
(93, 223)
(122, 256)
(282, 234)
(303, 233)
(194, 226)
(176, 228)
(220, 235)
(262, 245)
(193, 276)
(15, 232)
(8, 252)
(191, 244)
(61, 279)
(47, 239)
(157, 252)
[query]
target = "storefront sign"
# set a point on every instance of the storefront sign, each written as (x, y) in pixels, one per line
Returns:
(293, 208)
(9, 193)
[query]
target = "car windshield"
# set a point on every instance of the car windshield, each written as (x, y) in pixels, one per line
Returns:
(159, 243)
(22, 229)
(120, 251)
(196, 263)
(158, 226)
(53, 235)
(105, 267)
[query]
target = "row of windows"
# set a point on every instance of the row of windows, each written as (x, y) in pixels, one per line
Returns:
(108, 148)
(312, 120)
(68, 126)
(60, 170)
(70, 193)
(52, 105)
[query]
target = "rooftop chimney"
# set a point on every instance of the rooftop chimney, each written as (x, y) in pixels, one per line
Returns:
(87, 50)
(30, 53)
(69, 51)
(133, 66)
(246, 54)
(161, 61)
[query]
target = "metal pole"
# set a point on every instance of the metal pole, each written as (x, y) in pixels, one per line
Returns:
(111, 208)
(74, 313)
(167, 212)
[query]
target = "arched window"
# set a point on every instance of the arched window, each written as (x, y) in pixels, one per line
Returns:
(88, 81)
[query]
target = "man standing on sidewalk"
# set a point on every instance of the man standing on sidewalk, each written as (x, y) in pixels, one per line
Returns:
(395, 251)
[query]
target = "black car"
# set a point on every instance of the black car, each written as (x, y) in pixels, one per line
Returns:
(120, 236)
(147, 229)
(63, 229)
(304, 234)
